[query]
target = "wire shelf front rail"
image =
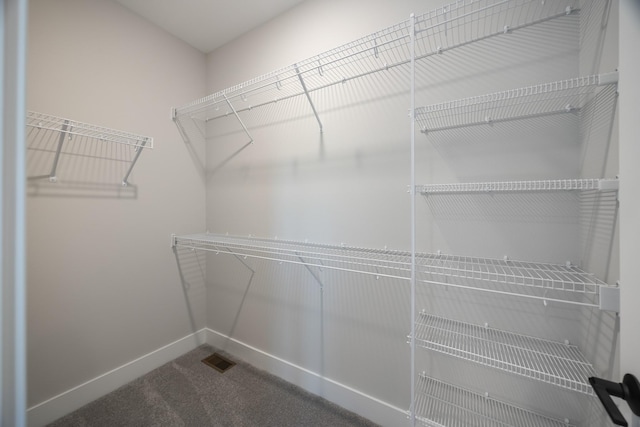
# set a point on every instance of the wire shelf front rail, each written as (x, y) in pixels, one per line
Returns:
(521, 186)
(543, 281)
(375, 262)
(560, 364)
(565, 96)
(439, 404)
(448, 27)
(47, 133)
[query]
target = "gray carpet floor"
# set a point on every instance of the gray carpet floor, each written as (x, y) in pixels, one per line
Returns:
(186, 392)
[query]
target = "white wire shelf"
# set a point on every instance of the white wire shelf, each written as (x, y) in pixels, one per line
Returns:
(560, 364)
(543, 281)
(564, 96)
(376, 262)
(521, 186)
(546, 282)
(439, 404)
(50, 137)
(441, 30)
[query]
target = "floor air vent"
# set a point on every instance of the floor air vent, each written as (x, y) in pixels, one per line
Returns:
(218, 362)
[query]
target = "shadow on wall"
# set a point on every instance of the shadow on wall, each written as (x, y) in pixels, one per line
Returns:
(66, 158)
(191, 269)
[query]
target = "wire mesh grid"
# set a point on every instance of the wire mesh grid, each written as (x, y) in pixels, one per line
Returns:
(563, 96)
(464, 22)
(379, 51)
(520, 186)
(552, 276)
(519, 276)
(551, 362)
(376, 262)
(46, 122)
(66, 150)
(456, 24)
(439, 404)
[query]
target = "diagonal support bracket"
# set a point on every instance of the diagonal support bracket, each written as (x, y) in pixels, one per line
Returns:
(313, 274)
(63, 133)
(239, 119)
(125, 180)
(306, 92)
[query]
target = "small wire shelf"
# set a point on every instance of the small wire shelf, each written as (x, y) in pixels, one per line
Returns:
(565, 96)
(439, 404)
(455, 25)
(543, 281)
(46, 122)
(547, 282)
(49, 138)
(521, 186)
(560, 364)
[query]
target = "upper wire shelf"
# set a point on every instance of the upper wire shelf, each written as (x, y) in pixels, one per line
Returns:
(546, 282)
(560, 364)
(439, 404)
(441, 30)
(587, 184)
(564, 96)
(52, 137)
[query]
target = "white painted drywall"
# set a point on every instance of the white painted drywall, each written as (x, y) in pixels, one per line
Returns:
(103, 284)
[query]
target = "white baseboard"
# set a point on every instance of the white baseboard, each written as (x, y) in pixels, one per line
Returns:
(351, 399)
(347, 397)
(70, 400)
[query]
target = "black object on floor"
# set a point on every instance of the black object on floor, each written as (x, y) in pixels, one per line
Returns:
(218, 362)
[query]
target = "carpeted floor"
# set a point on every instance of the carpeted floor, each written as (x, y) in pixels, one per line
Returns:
(186, 392)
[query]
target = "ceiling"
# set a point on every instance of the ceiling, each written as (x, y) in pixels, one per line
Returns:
(208, 24)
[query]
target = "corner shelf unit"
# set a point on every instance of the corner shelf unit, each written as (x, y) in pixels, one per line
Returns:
(559, 364)
(439, 404)
(56, 136)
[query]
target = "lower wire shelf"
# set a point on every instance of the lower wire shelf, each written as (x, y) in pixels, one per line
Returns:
(439, 404)
(541, 281)
(556, 363)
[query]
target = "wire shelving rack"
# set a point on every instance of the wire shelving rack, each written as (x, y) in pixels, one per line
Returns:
(57, 137)
(442, 30)
(439, 404)
(425, 36)
(560, 364)
(548, 282)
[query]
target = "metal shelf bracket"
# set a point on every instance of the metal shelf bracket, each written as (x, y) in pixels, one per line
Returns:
(610, 298)
(306, 92)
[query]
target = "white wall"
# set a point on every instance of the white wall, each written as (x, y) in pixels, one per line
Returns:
(349, 183)
(103, 283)
(630, 176)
